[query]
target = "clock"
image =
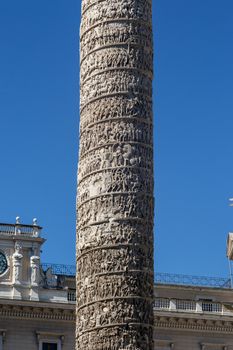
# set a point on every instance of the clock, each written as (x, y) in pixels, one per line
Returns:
(3, 263)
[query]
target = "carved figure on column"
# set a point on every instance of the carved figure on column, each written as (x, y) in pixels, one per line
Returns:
(115, 177)
(17, 263)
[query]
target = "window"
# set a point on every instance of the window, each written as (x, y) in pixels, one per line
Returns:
(163, 345)
(213, 346)
(2, 337)
(3, 263)
(49, 346)
(49, 341)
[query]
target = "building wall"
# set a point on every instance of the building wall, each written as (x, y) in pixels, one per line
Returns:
(26, 334)
(207, 326)
(36, 304)
(25, 323)
(192, 340)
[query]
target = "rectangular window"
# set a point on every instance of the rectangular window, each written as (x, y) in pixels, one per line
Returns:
(213, 346)
(163, 345)
(50, 341)
(2, 337)
(49, 346)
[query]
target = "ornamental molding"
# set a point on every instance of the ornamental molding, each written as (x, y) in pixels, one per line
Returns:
(41, 335)
(37, 313)
(163, 343)
(191, 324)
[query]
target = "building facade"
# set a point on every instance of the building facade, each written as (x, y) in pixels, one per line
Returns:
(37, 302)
(193, 317)
(36, 305)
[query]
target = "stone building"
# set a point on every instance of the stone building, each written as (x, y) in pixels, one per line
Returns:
(194, 317)
(37, 301)
(36, 305)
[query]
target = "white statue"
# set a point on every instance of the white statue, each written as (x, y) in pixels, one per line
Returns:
(17, 263)
(35, 269)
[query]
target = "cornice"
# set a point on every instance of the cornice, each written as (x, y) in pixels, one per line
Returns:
(38, 312)
(194, 324)
(192, 288)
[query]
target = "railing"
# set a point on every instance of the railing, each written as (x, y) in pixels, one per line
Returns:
(185, 305)
(202, 281)
(160, 278)
(71, 295)
(212, 307)
(19, 229)
(162, 303)
(200, 306)
(58, 269)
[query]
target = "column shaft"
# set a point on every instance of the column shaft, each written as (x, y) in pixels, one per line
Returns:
(115, 177)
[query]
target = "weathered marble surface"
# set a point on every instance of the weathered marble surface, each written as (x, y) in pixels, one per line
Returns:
(115, 178)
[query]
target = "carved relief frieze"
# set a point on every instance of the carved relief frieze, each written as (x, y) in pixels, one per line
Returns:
(116, 259)
(115, 82)
(114, 108)
(105, 313)
(122, 336)
(115, 176)
(128, 57)
(116, 207)
(116, 155)
(103, 11)
(115, 181)
(105, 287)
(114, 232)
(115, 33)
(108, 132)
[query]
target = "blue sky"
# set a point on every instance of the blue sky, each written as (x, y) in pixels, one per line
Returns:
(193, 127)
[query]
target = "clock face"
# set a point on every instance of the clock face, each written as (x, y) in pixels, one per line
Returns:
(3, 263)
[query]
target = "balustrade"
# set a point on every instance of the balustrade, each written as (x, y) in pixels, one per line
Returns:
(19, 229)
(200, 306)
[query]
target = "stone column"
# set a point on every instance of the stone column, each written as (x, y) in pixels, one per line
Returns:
(115, 195)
